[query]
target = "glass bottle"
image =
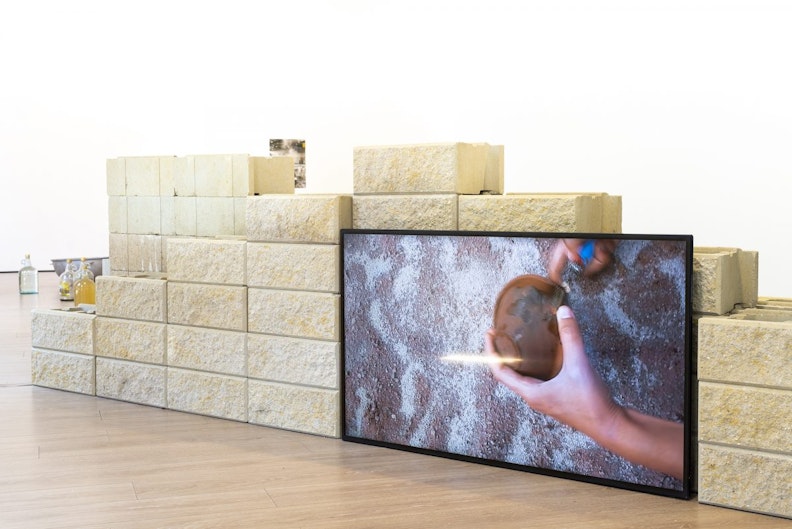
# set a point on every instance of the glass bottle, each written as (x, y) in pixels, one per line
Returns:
(66, 283)
(84, 286)
(28, 277)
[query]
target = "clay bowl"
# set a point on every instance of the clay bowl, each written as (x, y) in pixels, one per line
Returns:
(525, 325)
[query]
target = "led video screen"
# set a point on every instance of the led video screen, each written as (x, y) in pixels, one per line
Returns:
(562, 354)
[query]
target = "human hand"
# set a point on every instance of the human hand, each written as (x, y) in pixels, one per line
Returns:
(591, 256)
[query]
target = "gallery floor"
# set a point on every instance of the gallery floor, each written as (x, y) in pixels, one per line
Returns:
(75, 461)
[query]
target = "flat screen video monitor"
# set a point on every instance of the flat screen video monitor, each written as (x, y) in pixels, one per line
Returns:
(561, 354)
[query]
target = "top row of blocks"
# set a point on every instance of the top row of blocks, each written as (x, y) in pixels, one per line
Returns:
(219, 175)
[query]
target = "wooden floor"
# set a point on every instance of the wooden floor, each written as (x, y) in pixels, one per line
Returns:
(75, 461)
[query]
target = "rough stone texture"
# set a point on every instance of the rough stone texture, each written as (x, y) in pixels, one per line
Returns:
(428, 168)
(747, 480)
(131, 298)
(143, 215)
(142, 176)
(138, 341)
(724, 278)
(745, 351)
(294, 266)
(304, 409)
(292, 360)
(117, 214)
(745, 416)
(298, 218)
(64, 331)
(207, 394)
(117, 248)
(144, 253)
(213, 175)
(67, 371)
(214, 216)
(207, 349)
(293, 313)
(131, 382)
(534, 213)
(206, 261)
(405, 212)
(201, 305)
(273, 175)
(116, 176)
(494, 173)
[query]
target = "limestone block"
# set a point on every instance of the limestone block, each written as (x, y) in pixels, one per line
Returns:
(184, 176)
(117, 214)
(143, 215)
(214, 216)
(168, 215)
(535, 212)
(243, 181)
(185, 216)
(749, 277)
(116, 176)
(142, 176)
(304, 409)
(406, 212)
(293, 313)
(493, 174)
(206, 260)
(203, 305)
(293, 360)
(745, 479)
(207, 349)
(298, 218)
(240, 211)
(131, 298)
(167, 176)
(428, 168)
(716, 280)
(774, 303)
(117, 247)
(66, 371)
(144, 253)
(207, 394)
(273, 175)
(611, 214)
(746, 416)
(61, 330)
(131, 382)
(294, 266)
(138, 341)
(745, 351)
(213, 175)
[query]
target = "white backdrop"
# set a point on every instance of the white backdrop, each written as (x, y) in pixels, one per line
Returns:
(681, 107)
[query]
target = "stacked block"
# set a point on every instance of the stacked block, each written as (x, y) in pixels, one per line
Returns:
(63, 350)
(724, 278)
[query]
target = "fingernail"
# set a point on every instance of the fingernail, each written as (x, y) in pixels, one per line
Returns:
(564, 313)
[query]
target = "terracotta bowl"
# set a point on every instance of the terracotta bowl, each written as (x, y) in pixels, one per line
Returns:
(525, 325)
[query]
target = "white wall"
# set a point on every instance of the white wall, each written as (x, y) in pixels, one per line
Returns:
(681, 107)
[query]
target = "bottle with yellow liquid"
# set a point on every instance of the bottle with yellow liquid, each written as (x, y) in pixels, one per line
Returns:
(84, 285)
(66, 283)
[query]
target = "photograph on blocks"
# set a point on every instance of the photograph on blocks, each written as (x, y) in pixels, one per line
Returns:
(563, 354)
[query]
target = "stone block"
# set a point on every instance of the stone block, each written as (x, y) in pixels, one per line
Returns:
(167, 176)
(298, 218)
(143, 215)
(716, 280)
(746, 416)
(185, 217)
(65, 331)
(144, 253)
(494, 172)
(117, 214)
(66, 371)
(745, 351)
(206, 260)
(293, 360)
(313, 267)
(611, 214)
(207, 394)
(299, 408)
(131, 298)
(745, 479)
(243, 181)
(168, 215)
(184, 176)
(273, 175)
(292, 313)
(142, 176)
(202, 349)
(749, 277)
(240, 211)
(214, 216)
(117, 247)
(405, 212)
(116, 176)
(137, 341)
(131, 382)
(204, 305)
(457, 168)
(213, 175)
(532, 213)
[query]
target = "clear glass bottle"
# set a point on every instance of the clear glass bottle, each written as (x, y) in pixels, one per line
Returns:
(66, 283)
(84, 286)
(28, 277)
